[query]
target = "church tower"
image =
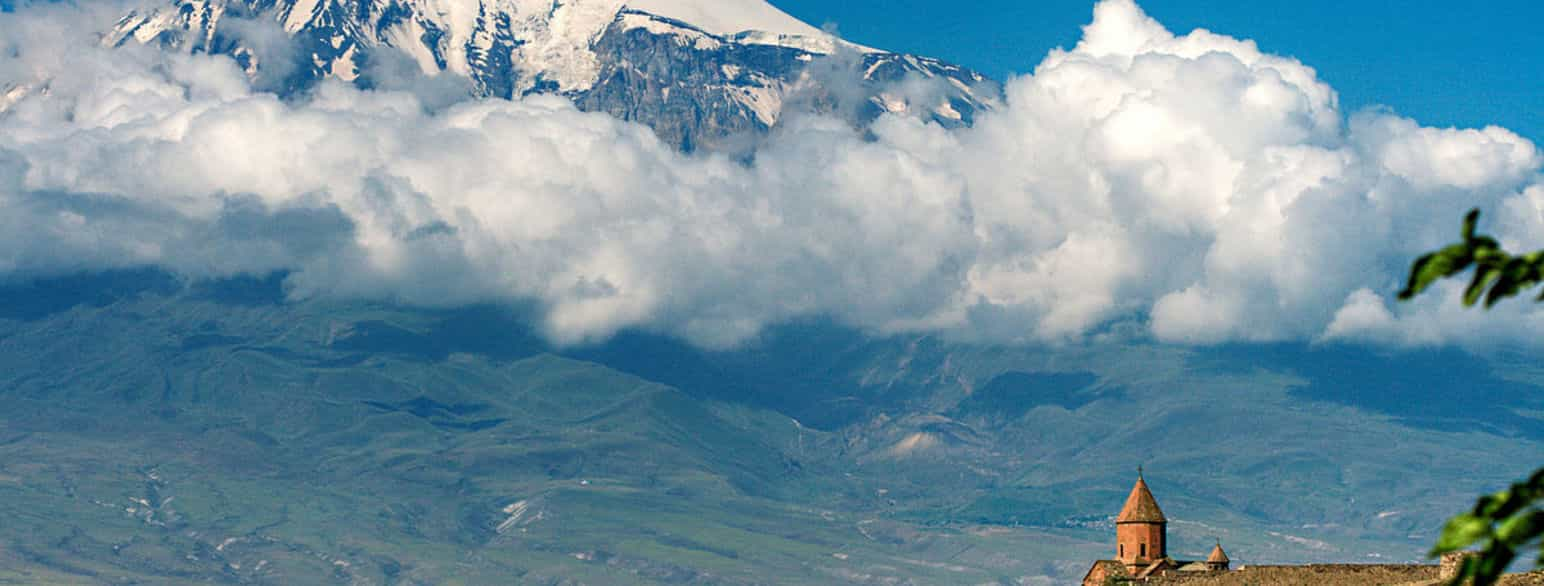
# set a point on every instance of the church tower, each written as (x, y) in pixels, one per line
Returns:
(1218, 561)
(1140, 530)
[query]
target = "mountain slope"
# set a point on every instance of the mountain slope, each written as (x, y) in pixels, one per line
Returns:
(167, 434)
(695, 71)
(176, 432)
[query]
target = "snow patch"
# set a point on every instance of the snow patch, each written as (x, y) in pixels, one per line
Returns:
(946, 110)
(406, 37)
(763, 99)
(558, 45)
(683, 35)
(869, 73)
(914, 443)
(727, 17)
(344, 67)
(748, 22)
(300, 14)
(823, 45)
(13, 95)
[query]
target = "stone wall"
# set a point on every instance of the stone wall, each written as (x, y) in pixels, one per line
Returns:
(1310, 575)
(1452, 562)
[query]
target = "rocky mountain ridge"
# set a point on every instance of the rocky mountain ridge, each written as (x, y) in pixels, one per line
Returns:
(697, 72)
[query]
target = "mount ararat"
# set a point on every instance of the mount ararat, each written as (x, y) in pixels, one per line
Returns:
(696, 71)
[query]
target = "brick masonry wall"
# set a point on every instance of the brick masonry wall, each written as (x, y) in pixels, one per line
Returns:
(1129, 537)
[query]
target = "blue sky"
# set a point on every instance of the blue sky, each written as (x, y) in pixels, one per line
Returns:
(1442, 63)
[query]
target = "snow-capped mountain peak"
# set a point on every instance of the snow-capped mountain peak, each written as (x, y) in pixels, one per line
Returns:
(692, 69)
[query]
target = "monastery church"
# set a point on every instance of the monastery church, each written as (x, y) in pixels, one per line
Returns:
(1142, 556)
(1141, 535)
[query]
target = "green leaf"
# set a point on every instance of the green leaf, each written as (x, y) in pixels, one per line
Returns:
(1492, 564)
(1506, 503)
(1521, 529)
(1521, 523)
(1489, 256)
(1497, 506)
(1505, 287)
(1497, 275)
(1436, 266)
(1461, 532)
(1467, 570)
(1484, 276)
(1536, 482)
(1514, 277)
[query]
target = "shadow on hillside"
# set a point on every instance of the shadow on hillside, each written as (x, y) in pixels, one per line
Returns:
(798, 370)
(484, 330)
(1012, 395)
(805, 369)
(242, 290)
(1437, 389)
(37, 299)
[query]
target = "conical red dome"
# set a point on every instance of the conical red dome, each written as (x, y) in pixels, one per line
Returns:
(1140, 506)
(1217, 557)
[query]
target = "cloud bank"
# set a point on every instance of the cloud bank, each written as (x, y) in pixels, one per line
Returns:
(1191, 189)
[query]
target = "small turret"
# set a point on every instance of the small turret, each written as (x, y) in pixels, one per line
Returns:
(1218, 560)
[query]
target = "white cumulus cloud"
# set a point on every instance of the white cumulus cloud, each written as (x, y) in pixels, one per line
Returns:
(1190, 185)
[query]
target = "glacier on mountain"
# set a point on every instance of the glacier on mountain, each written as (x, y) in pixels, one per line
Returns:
(697, 71)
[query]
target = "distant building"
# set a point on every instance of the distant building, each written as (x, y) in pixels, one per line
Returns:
(1142, 556)
(1218, 560)
(1141, 545)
